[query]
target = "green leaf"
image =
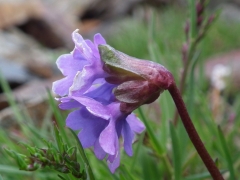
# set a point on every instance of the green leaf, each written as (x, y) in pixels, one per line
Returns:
(88, 169)
(193, 19)
(125, 172)
(60, 120)
(227, 153)
(201, 176)
(61, 177)
(58, 138)
(176, 153)
(156, 145)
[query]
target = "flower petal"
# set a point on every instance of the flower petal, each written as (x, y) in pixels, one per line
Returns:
(135, 124)
(98, 150)
(128, 136)
(69, 65)
(102, 93)
(98, 39)
(71, 104)
(108, 138)
(82, 82)
(61, 87)
(115, 164)
(94, 49)
(76, 53)
(91, 126)
(94, 107)
(74, 120)
(81, 45)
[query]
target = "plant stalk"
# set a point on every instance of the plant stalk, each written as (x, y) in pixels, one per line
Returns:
(192, 133)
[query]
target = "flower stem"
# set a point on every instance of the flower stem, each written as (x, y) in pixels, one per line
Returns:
(192, 133)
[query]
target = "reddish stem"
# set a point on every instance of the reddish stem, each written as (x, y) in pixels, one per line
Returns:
(192, 133)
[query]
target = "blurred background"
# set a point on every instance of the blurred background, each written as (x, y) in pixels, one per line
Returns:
(33, 33)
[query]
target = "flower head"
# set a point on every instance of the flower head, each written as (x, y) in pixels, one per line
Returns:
(104, 86)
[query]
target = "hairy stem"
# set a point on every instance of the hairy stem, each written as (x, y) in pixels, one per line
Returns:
(192, 133)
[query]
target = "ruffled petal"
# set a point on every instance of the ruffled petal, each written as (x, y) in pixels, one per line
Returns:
(61, 87)
(98, 39)
(114, 160)
(98, 150)
(71, 104)
(94, 49)
(69, 65)
(91, 126)
(74, 120)
(102, 93)
(77, 54)
(94, 107)
(135, 124)
(128, 136)
(82, 82)
(108, 138)
(82, 46)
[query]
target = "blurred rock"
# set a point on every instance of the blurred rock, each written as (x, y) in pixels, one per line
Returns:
(14, 12)
(18, 47)
(43, 32)
(63, 17)
(13, 71)
(18, 50)
(32, 100)
(100, 14)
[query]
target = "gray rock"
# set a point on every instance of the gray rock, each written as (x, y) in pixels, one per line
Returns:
(13, 72)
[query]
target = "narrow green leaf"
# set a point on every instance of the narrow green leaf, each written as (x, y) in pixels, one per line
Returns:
(227, 154)
(192, 84)
(61, 177)
(156, 145)
(176, 153)
(153, 138)
(88, 169)
(58, 138)
(38, 174)
(193, 19)
(201, 176)
(60, 120)
(7, 91)
(125, 172)
(136, 152)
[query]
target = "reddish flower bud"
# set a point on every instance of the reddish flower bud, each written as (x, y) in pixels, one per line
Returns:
(139, 81)
(186, 28)
(199, 8)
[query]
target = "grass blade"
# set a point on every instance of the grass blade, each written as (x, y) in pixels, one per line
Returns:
(84, 157)
(60, 120)
(227, 153)
(176, 153)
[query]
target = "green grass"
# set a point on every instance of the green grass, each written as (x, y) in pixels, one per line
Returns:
(164, 151)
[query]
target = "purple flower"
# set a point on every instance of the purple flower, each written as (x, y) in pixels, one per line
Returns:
(102, 126)
(81, 67)
(97, 112)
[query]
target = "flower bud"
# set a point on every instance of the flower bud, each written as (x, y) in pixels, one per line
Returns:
(139, 81)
